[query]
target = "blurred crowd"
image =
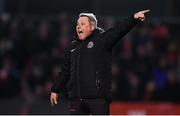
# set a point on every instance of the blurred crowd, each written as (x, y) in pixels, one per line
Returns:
(145, 63)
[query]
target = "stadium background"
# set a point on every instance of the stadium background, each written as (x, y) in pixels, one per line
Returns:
(145, 66)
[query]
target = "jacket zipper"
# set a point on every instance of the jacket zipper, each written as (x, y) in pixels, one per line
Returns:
(78, 80)
(97, 80)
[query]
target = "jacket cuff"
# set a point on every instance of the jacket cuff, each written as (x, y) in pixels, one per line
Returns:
(55, 89)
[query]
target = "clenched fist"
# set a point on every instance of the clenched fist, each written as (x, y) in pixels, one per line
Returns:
(141, 14)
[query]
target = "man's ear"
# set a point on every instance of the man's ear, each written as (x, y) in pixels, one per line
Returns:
(92, 27)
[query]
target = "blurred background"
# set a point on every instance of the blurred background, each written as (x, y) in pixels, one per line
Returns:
(145, 64)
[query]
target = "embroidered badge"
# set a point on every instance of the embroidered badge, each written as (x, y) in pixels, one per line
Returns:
(90, 44)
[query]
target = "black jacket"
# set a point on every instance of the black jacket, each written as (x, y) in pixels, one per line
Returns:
(86, 72)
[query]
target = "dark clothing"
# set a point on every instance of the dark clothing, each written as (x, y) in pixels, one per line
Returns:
(86, 72)
(89, 106)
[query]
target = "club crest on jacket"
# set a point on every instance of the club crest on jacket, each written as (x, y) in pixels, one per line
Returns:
(90, 44)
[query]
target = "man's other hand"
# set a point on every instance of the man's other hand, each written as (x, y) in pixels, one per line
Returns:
(53, 98)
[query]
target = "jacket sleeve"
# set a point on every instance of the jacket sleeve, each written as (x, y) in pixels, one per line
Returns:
(114, 34)
(62, 79)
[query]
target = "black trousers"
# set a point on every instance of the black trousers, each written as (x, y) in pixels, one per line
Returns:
(97, 106)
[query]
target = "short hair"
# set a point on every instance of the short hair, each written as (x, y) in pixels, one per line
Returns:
(91, 17)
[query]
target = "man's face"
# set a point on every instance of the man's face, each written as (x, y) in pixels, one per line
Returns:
(84, 27)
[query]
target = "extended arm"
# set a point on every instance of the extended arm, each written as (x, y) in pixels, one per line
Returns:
(113, 35)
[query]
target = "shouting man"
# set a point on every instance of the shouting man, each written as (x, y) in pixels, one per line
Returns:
(86, 72)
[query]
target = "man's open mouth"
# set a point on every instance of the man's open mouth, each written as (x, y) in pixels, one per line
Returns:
(80, 32)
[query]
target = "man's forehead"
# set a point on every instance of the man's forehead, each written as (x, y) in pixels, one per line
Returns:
(83, 18)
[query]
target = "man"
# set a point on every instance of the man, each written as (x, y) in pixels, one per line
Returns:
(86, 69)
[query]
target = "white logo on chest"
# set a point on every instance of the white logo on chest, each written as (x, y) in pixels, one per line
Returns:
(73, 50)
(90, 44)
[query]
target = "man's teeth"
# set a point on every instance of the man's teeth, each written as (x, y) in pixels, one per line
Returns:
(80, 33)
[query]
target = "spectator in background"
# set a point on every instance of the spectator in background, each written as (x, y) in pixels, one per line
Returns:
(172, 87)
(160, 77)
(9, 79)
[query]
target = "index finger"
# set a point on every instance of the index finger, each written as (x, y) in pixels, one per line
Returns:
(145, 11)
(55, 100)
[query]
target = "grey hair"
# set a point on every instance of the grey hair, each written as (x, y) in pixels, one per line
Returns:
(91, 17)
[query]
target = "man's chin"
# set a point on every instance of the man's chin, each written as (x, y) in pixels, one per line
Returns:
(81, 38)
